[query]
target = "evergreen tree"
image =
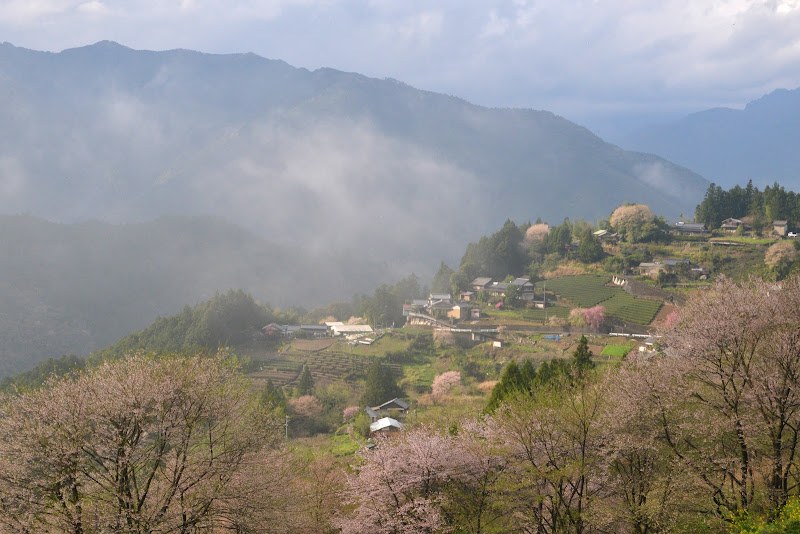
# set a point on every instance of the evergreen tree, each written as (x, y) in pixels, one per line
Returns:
(306, 384)
(582, 358)
(441, 280)
(273, 396)
(381, 385)
(590, 250)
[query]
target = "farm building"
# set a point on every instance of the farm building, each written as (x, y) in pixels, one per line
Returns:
(350, 329)
(684, 228)
(780, 228)
(480, 283)
(385, 425)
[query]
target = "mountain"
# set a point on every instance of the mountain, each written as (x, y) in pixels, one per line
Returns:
(315, 185)
(329, 159)
(75, 288)
(730, 146)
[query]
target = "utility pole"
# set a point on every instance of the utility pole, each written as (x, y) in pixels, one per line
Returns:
(544, 299)
(286, 429)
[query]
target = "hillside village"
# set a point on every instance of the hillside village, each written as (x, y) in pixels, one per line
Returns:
(533, 316)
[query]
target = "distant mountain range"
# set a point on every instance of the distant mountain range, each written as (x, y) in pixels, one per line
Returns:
(729, 146)
(326, 158)
(336, 182)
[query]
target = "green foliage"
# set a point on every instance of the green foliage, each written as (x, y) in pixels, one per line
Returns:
(385, 307)
(582, 357)
(341, 311)
(226, 319)
(510, 299)
(773, 203)
(630, 309)
(495, 256)
(558, 238)
(590, 290)
(441, 280)
(380, 386)
(305, 386)
(584, 291)
(523, 380)
(361, 425)
(50, 368)
(786, 522)
(615, 351)
(273, 397)
(589, 250)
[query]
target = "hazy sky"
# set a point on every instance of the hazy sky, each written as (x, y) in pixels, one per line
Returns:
(583, 59)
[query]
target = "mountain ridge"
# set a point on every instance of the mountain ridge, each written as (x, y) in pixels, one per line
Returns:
(731, 146)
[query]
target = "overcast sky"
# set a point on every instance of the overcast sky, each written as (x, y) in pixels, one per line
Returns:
(583, 59)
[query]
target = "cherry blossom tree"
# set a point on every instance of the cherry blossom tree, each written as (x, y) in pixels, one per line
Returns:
(443, 384)
(537, 232)
(739, 348)
(554, 436)
(307, 406)
(396, 489)
(135, 445)
(350, 412)
(595, 316)
(426, 480)
(647, 488)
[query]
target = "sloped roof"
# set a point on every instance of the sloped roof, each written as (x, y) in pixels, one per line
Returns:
(394, 403)
(385, 424)
(690, 226)
(351, 328)
(481, 281)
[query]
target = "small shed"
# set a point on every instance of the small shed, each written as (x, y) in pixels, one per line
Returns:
(372, 414)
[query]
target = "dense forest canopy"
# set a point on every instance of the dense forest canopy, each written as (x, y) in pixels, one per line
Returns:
(774, 202)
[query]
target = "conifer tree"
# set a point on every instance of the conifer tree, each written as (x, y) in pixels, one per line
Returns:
(381, 385)
(306, 384)
(582, 357)
(273, 396)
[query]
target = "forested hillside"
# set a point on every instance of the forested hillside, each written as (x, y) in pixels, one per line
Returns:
(72, 289)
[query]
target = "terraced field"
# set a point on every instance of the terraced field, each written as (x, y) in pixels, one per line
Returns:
(615, 351)
(630, 309)
(584, 291)
(326, 365)
(589, 290)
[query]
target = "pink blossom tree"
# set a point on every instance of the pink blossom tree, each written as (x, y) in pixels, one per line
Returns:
(307, 406)
(537, 232)
(426, 481)
(136, 445)
(443, 384)
(739, 348)
(350, 412)
(595, 316)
